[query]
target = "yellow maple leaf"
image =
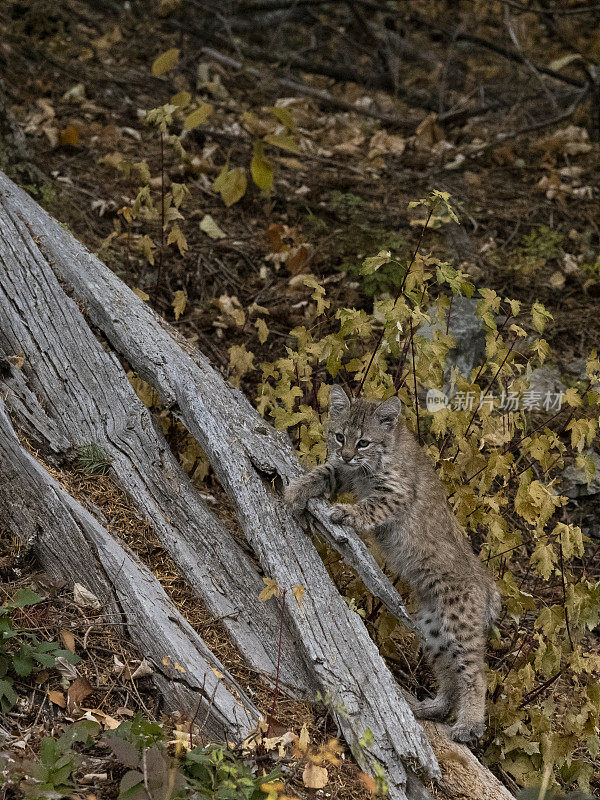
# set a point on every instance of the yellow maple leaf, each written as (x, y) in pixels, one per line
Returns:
(179, 302)
(299, 592)
(271, 588)
(231, 184)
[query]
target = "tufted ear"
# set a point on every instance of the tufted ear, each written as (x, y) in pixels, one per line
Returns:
(388, 412)
(338, 401)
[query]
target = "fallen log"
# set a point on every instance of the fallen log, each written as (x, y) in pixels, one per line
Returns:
(252, 460)
(73, 546)
(89, 400)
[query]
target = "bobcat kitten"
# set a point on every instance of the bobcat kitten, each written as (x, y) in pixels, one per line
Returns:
(403, 503)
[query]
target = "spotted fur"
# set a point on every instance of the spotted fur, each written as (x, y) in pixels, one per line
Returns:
(402, 502)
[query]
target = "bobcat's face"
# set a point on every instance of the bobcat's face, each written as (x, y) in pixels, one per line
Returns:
(360, 431)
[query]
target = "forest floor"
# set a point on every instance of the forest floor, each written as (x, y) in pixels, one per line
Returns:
(78, 79)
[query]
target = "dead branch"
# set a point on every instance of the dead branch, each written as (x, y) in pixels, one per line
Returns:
(74, 547)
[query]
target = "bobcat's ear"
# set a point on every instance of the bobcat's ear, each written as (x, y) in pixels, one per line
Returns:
(338, 401)
(388, 412)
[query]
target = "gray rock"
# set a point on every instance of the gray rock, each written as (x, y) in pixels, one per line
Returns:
(468, 332)
(577, 368)
(575, 483)
(545, 381)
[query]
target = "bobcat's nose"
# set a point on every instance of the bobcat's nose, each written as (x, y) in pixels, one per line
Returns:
(348, 456)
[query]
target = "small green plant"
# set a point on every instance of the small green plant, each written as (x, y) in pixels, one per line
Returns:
(92, 459)
(538, 247)
(44, 193)
(214, 772)
(142, 748)
(21, 652)
(363, 237)
(49, 776)
(210, 771)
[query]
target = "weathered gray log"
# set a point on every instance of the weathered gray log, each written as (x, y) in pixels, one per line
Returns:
(332, 639)
(73, 546)
(88, 399)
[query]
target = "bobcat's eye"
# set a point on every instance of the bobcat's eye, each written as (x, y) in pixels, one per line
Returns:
(339, 437)
(362, 443)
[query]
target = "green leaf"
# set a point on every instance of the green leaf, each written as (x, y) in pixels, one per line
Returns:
(181, 99)
(284, 141)
(25, 597)
(210, 228)
(540, 316)
(231, 184)
(165, 62)
(132, 786)
(284, 116)
(198, 117)
(372, 264)
(261, 168)
(8, 696)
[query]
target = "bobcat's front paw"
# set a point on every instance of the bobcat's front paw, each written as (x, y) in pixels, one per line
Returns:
(295, 494)
(467, 733)
(342, 514)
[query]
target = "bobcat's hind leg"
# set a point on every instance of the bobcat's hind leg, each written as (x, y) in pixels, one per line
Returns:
(436, 647)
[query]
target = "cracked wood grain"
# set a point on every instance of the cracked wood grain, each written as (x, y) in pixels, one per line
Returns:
(73, 546)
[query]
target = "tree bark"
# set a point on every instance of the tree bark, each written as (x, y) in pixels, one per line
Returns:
(73, 546)
(88, 399)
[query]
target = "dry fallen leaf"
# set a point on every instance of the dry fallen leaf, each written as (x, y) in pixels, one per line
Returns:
(368, 782)
(77, 692)
(304, 739)
(95, 715)
(297, 261)
(57, 698)
(75, 95)
(210, 227)
(84, 598)
(144, 670)
(68, 640)
(314, 777)
(67, 671)
(17, 360)
(70, 136)
(298, 592)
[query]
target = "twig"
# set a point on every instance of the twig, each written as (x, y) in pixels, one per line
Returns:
(513, 445)
(479, 41)
(162, 217)
(196, 713)
(545, 123)
(542, 687)
(526, 61)
(274, 706)
(414, 372)
(553, 11)
(485, 391)
(309, 91)
(396, 298)
(564, 589)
